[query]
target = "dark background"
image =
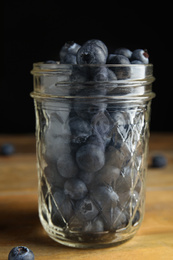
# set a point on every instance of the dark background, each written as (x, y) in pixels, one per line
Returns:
(36, 30)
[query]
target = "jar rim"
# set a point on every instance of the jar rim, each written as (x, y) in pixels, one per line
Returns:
(43, 66)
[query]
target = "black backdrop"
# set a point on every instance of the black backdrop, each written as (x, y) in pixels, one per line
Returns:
(36, 30)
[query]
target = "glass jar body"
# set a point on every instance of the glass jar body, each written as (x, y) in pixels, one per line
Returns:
(92, 158)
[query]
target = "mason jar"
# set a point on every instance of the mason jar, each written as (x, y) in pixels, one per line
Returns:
(92, 140)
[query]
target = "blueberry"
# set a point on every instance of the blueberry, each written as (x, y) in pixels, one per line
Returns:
(103, 77)
(75, 189)
(91, 105)
(124, 51)
(106, 200)
(100, 74)
(21, 253)
(50, 62)
(7, 149)
(62, 208)
(80, 74)
(92, 52)
(66, 165)
(136, 62)
(53, 177)
(108, 175)
(86, 210)
(86, 177)
(141, 55)
(159, 161)
(94, 226)
(136, 217)
(120, 219)
(68, 53)
(118, 59)
(122, 72)
(124, 181)
(105, 197)
(90, 157)
(80, 129)
(101, 123)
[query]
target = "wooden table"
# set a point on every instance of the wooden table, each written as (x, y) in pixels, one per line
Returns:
(20, 225)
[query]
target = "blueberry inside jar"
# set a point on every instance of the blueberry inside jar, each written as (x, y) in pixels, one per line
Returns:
(92, 127)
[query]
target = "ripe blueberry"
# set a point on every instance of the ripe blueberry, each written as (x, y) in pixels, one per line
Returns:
(141, 55)
(21, 253)
(123, 51)
(75, 188)
(80, 128)
(92, 52)
(122, 72)
(159, 161)
(136, 62)
(87, 108)
(90, 157)
(66, 165)
(7, 149)
(50, 62)
(68, 53)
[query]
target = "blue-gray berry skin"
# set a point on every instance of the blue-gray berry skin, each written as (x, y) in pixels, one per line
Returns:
(141, 55)
(75, 188)
(159, 161)
(21, 253)
(80, 129)
(88, 107)
(92, 52)
(7, 149)
(68, 53)
(66, 165)
(123, 51)
(62, 207)
(50, 62)
(122, 72)
(90, 157)
(136, 62)
(118, 59)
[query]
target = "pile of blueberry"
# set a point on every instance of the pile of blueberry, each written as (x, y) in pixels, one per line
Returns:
(92, 153)
(96, 52)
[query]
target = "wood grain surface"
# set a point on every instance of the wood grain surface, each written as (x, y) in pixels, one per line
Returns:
(20, 225)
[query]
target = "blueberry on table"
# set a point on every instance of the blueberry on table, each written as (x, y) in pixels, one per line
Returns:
(21, 253)
(123, 51)
(7, 149)
(159, 161)
(68, 53)
(141, 55)
(92, 52)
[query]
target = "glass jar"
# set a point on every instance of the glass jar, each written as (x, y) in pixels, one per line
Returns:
(92, 136)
